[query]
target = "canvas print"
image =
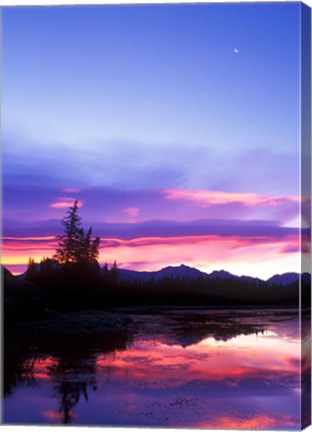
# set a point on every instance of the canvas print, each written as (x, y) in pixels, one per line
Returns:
(156, 215)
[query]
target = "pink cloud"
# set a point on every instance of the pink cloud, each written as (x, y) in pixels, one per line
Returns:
(253, 256)
(65, 202)
(230, 242)
(209, 198)
(71, 190)
(21, 239)
(131, 211)
(260, 256)
(291, 248)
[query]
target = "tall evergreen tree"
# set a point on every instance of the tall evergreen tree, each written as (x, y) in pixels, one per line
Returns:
(69, 243)
(74, 245)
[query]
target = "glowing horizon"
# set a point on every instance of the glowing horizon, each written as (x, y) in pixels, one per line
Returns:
(143, 254)
(191, 157)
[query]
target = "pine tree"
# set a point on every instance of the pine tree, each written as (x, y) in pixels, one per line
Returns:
(74, 245)
(69, 246)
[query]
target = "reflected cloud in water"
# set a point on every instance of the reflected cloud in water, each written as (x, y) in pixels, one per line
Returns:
(158, 376)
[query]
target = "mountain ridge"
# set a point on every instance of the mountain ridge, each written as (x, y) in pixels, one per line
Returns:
(191, 273)
(187, 272)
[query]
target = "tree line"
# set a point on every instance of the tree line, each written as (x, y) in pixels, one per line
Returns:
(74, 272)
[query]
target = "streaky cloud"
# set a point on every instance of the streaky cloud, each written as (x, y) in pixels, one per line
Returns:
(211, 198)
(156, 228)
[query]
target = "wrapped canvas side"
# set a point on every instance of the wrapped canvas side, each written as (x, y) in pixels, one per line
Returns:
(305, 303)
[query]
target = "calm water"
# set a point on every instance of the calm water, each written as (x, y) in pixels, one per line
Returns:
(202, 369)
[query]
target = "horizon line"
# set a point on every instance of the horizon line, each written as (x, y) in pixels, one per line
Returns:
(171, 266)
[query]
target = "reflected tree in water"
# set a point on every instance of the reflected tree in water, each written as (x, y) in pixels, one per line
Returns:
(72, 377)
(19, 368)
(73, 372)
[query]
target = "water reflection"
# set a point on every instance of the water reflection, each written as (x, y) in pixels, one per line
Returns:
(71, 378)
(68, 363)
(306, 367)
(18, 369)
(180, 369)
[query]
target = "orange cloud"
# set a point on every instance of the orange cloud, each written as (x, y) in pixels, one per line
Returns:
(17, 250)
(56, 416)
(52, 415)
(207, 198)
(257, 421)
(254, 256)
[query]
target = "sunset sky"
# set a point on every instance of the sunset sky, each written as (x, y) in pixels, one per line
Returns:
(176, 126)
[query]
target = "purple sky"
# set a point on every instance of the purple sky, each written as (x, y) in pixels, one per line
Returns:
(177, 128)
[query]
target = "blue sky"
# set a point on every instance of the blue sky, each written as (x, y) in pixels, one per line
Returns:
(124, 101)
(159, 78)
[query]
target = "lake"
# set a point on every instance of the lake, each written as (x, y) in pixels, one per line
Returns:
(199, 368)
